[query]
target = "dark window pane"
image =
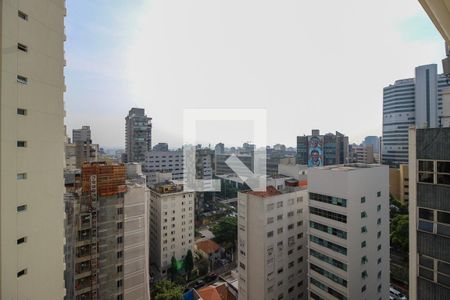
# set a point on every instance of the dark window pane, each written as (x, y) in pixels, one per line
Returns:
(444, 280)
(426, 214)
(425, 165)
(443, 229)
(426, 273)
(443, 217)
(443, 166)
(426, 177)
(426, 262)
(426, 226)
(444, 267)
(443, 179)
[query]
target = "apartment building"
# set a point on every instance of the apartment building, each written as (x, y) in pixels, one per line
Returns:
(163, 162)
(138, 135)
(272, 252)
(82, 135)
(429, 213)
(348, 232)
(95, 232)
(171, 224)
(32, 144)
(221, 167)
(136, 236)
(362, 154)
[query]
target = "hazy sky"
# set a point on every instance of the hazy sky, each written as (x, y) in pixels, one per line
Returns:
(311, 64)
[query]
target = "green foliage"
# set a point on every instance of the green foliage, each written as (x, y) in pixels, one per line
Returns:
(188, 263)
(225, 232)
(173, 269)
(400, 232)
(203, 266)
(167, 290)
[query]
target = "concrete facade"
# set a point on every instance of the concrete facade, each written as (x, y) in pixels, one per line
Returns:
(171, 224)
(138, 135)
(32, 144)
(348, 232)
(272, 244)
(163, 162)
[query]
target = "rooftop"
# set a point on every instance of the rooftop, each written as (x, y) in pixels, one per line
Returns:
(208, 246)
(348, 167)
(167, 187)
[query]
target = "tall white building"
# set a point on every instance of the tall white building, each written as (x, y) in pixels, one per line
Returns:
(272, 251)
(136, 236)
(32, 145)
(414, 101)
(348, 232)
(171, 224)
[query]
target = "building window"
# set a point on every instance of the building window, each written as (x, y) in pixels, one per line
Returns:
(21, 273)
(279, 217)
(120, 240)
(21, 176)
(119, 254)
(22, 47)
(363, 244)
(21, 240)
(270, 220)
(270, 234)
(363, 289)
(379, 260)
(21, 144)
(378, 194)
(119, 283)
(363, 215)
(379, 221)
(279, 204)
(364, 275)
(21, 208)
(443, 172)
(119, 269)
(328, 199)
(378, 207)
(363, 199)
(379, 247)
(22, 111)
(22, 79)
(364, 229)
(364, 260)
(22, 15)
(378, 234)
(328, 214)
(242, 266)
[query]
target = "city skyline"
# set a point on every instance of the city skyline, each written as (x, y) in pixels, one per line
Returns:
(162, 70)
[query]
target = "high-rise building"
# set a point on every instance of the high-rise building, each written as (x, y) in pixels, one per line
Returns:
(82, 135)
(415, 101)
(220, 148)
(429, 213)
(272, 252)
(32, 149)
(172, 224)
(348, 232)
(204, 166)
(163, 162)
(138, 135)
(362, 154)
(95, 232)
(374, 141)
(322, 150)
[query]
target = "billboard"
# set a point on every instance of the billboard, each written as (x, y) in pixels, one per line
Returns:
(315, 151)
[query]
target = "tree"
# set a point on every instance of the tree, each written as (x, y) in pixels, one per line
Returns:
(188, 264)
(400, 231)
(225, 232)
(173, 269)
(167, 290)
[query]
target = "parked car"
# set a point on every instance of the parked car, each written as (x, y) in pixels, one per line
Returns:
(199, 284)
(211, 277)
(396, 294)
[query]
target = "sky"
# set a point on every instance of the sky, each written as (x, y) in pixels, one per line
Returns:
(308, 64)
